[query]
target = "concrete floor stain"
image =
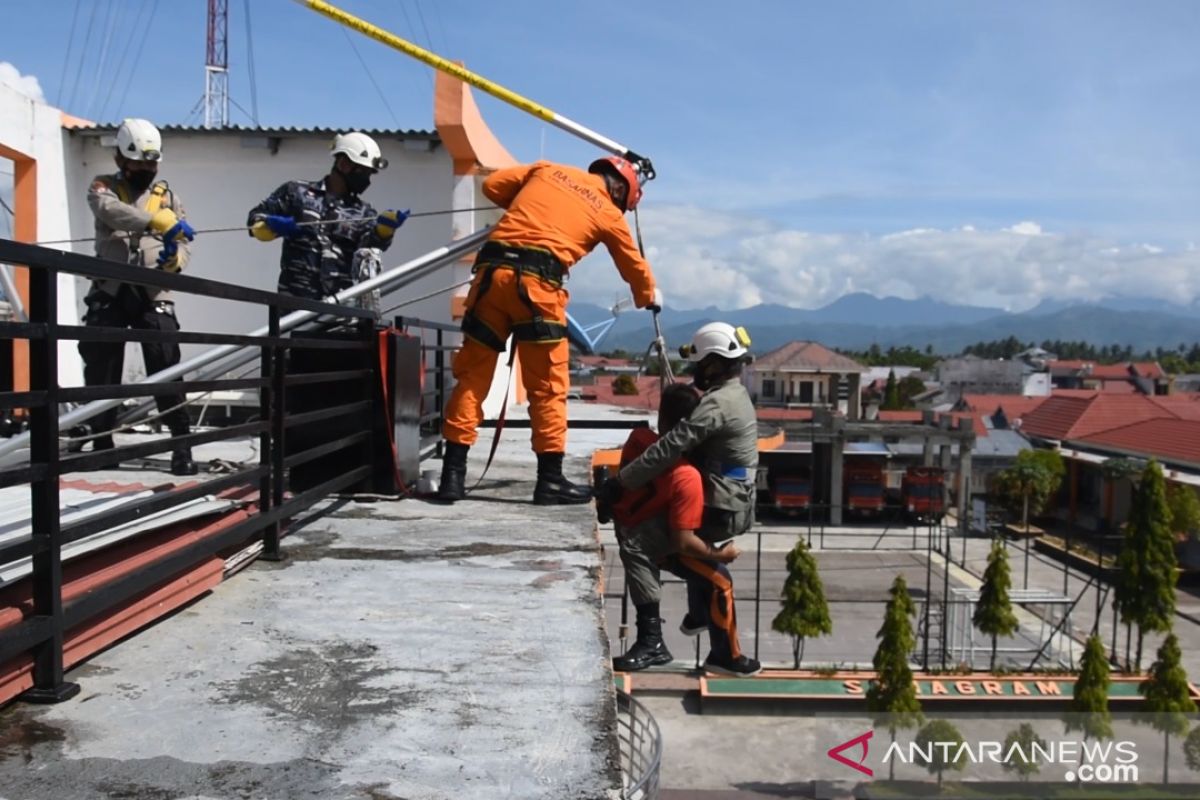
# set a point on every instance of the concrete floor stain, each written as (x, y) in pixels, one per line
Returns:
(330, 687)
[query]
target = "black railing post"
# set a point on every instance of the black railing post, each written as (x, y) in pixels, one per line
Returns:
(376, 390)
(757, 592)
(48, 683)
(269, 400)
(439, 385)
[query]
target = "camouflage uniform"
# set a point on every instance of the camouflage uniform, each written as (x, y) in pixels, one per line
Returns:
(318, 261)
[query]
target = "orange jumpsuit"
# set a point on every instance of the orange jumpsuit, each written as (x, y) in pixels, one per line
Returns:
(562, 211)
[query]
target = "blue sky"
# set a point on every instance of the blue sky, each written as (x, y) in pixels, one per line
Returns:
(991, 153)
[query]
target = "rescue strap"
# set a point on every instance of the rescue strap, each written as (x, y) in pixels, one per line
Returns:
(512, 355)
(539, 263)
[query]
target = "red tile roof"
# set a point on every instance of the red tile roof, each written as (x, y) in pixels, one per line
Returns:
(1015, 406)
(806, 356)
(769, 414)
(1108, 372)
(900, 416)
(1167, 438)
(647, 397)
(605, 361)
(1075, 415)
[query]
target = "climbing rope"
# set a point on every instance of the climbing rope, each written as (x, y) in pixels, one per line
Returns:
(298, 224)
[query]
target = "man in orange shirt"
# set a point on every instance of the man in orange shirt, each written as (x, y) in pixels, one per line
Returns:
(555, 215)
(656, 529)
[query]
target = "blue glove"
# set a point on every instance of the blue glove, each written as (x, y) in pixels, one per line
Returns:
(179, 231)
(282, 226)
(168, 252)
(387, 222)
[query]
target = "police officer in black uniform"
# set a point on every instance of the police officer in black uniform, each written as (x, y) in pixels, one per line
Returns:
(139, 221)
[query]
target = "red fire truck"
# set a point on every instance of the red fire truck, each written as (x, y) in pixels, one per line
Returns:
(923, 493)
(863, 483)
(791, 493)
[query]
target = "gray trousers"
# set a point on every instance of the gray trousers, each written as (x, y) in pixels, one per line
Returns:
(641, 547)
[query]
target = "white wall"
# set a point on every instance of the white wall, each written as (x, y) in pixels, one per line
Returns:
(220, 175)
(1037, 384)
(34, 129)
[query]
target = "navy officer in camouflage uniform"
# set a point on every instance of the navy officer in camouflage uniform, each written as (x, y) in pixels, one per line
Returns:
(317, 259)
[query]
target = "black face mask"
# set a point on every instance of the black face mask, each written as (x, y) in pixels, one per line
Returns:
(357, 182)
(703, 377)
(140, 180)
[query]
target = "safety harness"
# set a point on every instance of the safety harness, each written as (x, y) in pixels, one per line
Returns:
(535, 261)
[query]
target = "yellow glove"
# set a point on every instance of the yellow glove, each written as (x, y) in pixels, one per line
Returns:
(387, 222)
(163, 220)
(170, 264)
(260, 231)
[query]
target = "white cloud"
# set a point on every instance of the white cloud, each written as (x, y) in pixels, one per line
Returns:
(27, 85)
(1026, 229)
(707, 258)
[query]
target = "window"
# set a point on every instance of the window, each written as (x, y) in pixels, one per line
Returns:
(806, 392)
(768, 387)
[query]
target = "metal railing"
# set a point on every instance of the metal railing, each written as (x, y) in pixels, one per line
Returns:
(41, 634)
(436, 378)
(641, 746)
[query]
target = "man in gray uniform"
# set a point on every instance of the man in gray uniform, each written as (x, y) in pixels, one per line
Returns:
(720, 437)
(139, 221)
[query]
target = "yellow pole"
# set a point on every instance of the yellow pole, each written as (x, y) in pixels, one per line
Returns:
(466, 76)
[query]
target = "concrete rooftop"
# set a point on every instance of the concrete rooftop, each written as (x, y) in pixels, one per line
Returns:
(404, 650)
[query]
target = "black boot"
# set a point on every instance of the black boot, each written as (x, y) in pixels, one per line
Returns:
(454, 473)
(649, 649)
(181, 457)
(181, 462)
(552, 488)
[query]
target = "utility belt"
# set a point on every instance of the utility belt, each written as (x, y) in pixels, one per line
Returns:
(541, 264)
(732, 471)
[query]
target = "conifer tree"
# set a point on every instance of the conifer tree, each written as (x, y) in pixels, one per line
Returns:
(1145, 585)
(1191, 749)
(1185, 510)
(1089, 702)
(1022, 760)
(994, 612)
(944, 744)
(892, 696)
(891, 393)
(805, 612)
(1167, 696)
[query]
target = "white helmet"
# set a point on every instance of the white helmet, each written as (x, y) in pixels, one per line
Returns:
(139, 140)
(717, 337)
(359, 148)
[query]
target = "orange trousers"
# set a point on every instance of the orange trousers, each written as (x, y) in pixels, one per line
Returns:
(544, 365)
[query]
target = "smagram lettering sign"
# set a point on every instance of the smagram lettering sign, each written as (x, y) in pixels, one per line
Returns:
(853, 686)
(951, 687)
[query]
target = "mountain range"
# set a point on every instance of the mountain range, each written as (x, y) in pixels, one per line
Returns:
(856, 321)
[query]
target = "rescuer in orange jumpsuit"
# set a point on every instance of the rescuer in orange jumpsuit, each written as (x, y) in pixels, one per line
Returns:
(555, 215)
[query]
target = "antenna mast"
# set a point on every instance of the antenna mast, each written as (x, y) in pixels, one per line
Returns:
(216, 66)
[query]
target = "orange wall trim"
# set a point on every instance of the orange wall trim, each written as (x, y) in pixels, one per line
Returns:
(471, 144)
(25, 229)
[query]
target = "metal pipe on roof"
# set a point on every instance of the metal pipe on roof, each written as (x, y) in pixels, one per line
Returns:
(394, 278)
(646, 169)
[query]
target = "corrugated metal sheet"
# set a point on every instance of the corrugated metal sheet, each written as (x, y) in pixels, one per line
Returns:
(79, 504)
(108, 128)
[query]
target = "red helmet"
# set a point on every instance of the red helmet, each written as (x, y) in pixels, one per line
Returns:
(614, 165)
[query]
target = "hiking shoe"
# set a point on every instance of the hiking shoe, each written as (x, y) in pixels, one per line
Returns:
(691, 627)
(740, 667)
